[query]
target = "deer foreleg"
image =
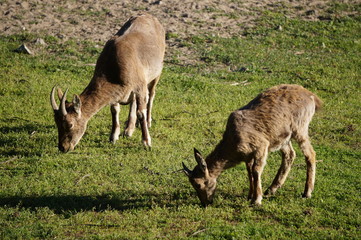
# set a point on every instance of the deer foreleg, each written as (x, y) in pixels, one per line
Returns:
(250, 177)
(257, 169)
(151, 88)
(114, 135)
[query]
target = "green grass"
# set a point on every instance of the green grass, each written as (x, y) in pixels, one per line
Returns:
(105, 191)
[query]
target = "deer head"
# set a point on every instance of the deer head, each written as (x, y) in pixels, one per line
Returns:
(200, 179)
(68, 118)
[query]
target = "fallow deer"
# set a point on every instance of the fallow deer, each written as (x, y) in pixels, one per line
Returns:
(127, 72)
(266, 124)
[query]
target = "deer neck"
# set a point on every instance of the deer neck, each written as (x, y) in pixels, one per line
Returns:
(217, 161)
(94, 97)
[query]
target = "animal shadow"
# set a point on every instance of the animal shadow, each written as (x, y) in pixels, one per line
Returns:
(72, 203)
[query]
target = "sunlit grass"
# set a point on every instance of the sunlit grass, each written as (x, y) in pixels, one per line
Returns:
(122, 191)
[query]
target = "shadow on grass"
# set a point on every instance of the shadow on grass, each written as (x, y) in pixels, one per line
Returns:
(24, 137)
(72, 203)
(22, 125)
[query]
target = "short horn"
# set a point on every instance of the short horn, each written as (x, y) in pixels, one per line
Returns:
(186, 170)
(62, 104)
(52, 100)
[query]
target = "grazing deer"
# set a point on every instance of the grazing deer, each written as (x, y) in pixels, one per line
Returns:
(264, 125)
(127, 72)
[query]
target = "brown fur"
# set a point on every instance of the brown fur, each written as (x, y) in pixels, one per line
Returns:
(127, 72)
(265, 124)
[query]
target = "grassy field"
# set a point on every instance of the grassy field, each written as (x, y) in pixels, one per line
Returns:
(122, 191)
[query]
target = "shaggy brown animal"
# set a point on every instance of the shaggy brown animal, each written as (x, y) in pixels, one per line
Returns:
(264, 125)
(126, 72)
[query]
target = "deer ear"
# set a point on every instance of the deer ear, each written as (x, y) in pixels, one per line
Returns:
(60, 94)
(201, 162)
(77, 104)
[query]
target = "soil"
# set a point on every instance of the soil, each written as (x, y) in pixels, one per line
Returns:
(97, 20)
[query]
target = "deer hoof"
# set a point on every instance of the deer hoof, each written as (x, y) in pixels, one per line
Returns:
(128, 132)
(305, 195)
(269, 192)
(113, 139)
(147, 144)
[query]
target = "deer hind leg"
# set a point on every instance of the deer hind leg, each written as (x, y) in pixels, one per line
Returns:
(151, 88)
(114, 135)
(249, 165)
(310, 157)
(132, 117)
(288, 156)
(142, 100)
(257, 169)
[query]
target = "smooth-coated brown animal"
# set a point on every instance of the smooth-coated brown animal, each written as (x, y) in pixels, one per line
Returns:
(266, 124)
(127, 72)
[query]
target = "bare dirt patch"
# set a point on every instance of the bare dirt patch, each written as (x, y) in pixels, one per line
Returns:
(97, 20)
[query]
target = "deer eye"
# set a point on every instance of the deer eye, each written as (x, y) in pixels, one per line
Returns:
(69, 125)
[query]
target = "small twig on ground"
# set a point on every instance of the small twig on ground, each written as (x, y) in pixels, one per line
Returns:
(151, 171)
(89, 64)
(199, 231)
(187, 112)
(10, 160)
(209, 113)
(169, 119)
(177, 171)
(32, 134)
(244, 83)
(82, 178)
(212, 133)
(200, 115)
(158, 173)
